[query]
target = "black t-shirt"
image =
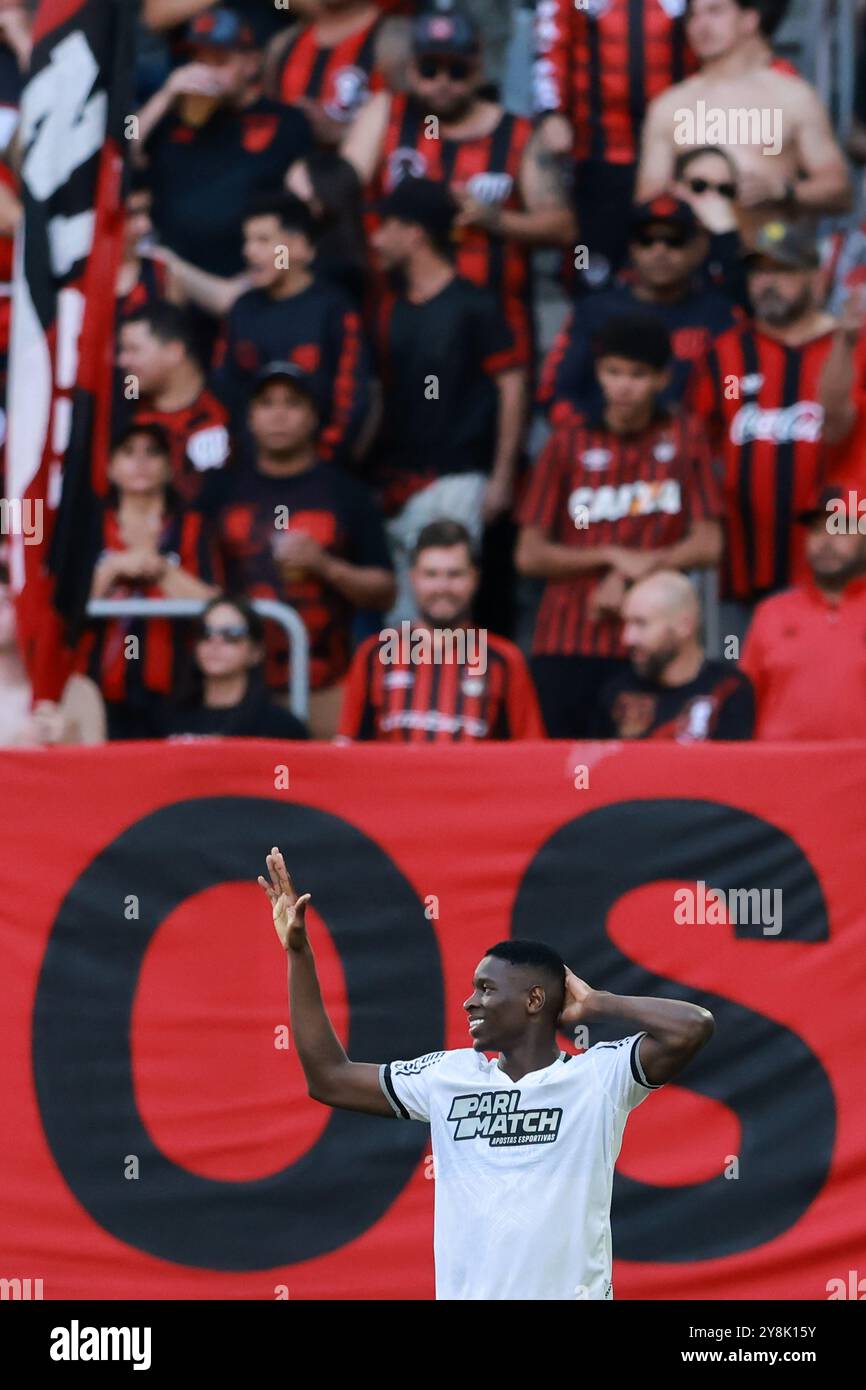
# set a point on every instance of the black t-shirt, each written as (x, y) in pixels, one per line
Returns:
(255, 717)
(718, 704)
(204, 177)
(338, 512)
(438, 363)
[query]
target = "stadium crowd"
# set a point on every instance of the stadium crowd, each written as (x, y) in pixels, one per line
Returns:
(337, 385)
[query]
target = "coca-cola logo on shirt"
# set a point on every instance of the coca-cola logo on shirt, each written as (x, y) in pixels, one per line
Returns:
(792, 424)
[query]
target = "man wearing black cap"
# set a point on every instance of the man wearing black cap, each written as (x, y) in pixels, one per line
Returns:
(212, 141)
(454, 387)
(303, 531)
(292, 315)
(759, 393)
(806, 649)
(667, 247)
(510, 191)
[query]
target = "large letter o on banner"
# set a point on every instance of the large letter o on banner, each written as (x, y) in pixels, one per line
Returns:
(81, 1034)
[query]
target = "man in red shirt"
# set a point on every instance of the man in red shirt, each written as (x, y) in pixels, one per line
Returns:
(599, 65)
(612, 499)
(759, 392)
(163, 384)
(806, 649)
(440, 680)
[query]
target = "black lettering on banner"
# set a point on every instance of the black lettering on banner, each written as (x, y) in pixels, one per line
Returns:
(81, 1033)
(765, 1072)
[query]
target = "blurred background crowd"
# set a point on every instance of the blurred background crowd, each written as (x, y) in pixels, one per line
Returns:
(537, 322)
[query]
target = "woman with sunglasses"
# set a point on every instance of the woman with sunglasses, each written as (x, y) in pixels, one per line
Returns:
(226, 693)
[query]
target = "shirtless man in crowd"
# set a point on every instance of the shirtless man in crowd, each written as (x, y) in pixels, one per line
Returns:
(770, 122)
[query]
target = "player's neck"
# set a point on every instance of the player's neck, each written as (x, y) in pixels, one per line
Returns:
(532, 1055)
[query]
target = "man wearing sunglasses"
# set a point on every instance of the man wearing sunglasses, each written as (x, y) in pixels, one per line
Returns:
(510, 191)
(667, 247)
(750, 107)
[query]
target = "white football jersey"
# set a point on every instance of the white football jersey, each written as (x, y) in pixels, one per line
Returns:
(523, 1169)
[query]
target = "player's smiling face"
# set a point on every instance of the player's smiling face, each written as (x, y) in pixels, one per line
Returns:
(498, 1007)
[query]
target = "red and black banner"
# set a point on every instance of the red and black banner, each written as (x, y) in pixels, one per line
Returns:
(160, 1142)
(74, 115)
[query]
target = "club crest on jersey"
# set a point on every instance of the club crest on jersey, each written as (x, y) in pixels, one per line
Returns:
(751, 384)
(349, 89)
(608, 503)
(208, 448)
(496, 1116)
(490, 188)
(405, 163)
(398, 680)
(664, 451)
(595, 459)
(473, 685)
(793, 424)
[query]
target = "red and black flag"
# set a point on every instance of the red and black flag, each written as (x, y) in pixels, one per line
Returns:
(74, 115)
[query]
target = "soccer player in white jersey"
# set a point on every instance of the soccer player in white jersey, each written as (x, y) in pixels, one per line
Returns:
(524, 1145)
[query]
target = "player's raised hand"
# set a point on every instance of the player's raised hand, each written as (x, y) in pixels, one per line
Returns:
(577, 998)
(287, 907)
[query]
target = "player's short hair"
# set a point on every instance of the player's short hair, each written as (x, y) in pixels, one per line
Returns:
(534, 955)
(443, 533)
(639, 337)
(291, 212)
(169, 324)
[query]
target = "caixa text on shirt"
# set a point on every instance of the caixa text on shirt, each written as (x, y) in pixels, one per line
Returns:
(496, 1117)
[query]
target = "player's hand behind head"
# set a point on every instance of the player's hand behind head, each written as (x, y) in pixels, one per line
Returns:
(288, 909)
(578, 997)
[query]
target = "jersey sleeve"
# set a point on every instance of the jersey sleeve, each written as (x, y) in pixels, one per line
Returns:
(524, 713)
(357, 715)
(543, 495)
(407, 1085)
(619, 1072)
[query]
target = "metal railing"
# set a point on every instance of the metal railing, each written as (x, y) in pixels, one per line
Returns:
(287, 618)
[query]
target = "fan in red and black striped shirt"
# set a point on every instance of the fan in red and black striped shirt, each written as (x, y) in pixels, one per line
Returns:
(440, 679)
(759, 391)
(163, 384)
(328, 66)
(611, 499)
(142, 281)
(598, 66)
(510, 199)
(151, 547)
